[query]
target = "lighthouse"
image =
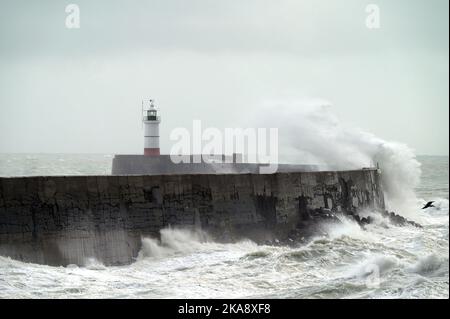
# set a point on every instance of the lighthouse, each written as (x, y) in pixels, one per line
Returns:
(151, 122)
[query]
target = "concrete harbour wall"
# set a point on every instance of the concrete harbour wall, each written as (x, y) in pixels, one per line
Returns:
(64, 220)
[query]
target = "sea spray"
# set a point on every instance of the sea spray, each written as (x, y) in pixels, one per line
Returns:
(379, 263)
(310, 133)
(347, 227)
(428, 265)
(173, 241)
(93, 263)
(182, 241)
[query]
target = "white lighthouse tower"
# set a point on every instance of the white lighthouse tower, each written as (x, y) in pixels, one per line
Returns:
(151, 122)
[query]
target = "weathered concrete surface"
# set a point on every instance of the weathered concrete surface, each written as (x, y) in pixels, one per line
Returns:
(65, 220)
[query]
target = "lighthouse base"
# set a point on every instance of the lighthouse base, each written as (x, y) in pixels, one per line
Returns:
(151, 151)
(156, 164)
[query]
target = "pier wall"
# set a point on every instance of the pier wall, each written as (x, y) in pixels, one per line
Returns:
(60, 220)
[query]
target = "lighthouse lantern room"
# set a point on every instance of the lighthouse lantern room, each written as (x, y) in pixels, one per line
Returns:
(151, 122)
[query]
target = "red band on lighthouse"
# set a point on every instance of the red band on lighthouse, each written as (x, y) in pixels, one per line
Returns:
(151, 152)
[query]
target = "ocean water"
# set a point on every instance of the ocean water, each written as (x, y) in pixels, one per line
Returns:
(383, 261)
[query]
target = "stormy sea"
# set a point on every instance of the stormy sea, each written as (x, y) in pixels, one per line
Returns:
(381, 261)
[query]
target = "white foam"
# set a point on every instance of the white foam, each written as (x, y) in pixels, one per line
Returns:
(93, 263)
(173, 241)
(428, 264)
(348, 228)
(379, 263)
(314, 135)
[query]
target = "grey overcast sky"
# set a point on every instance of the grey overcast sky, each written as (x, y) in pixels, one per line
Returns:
(79, 90)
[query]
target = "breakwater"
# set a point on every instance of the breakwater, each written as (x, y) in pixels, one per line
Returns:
(60, 220)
